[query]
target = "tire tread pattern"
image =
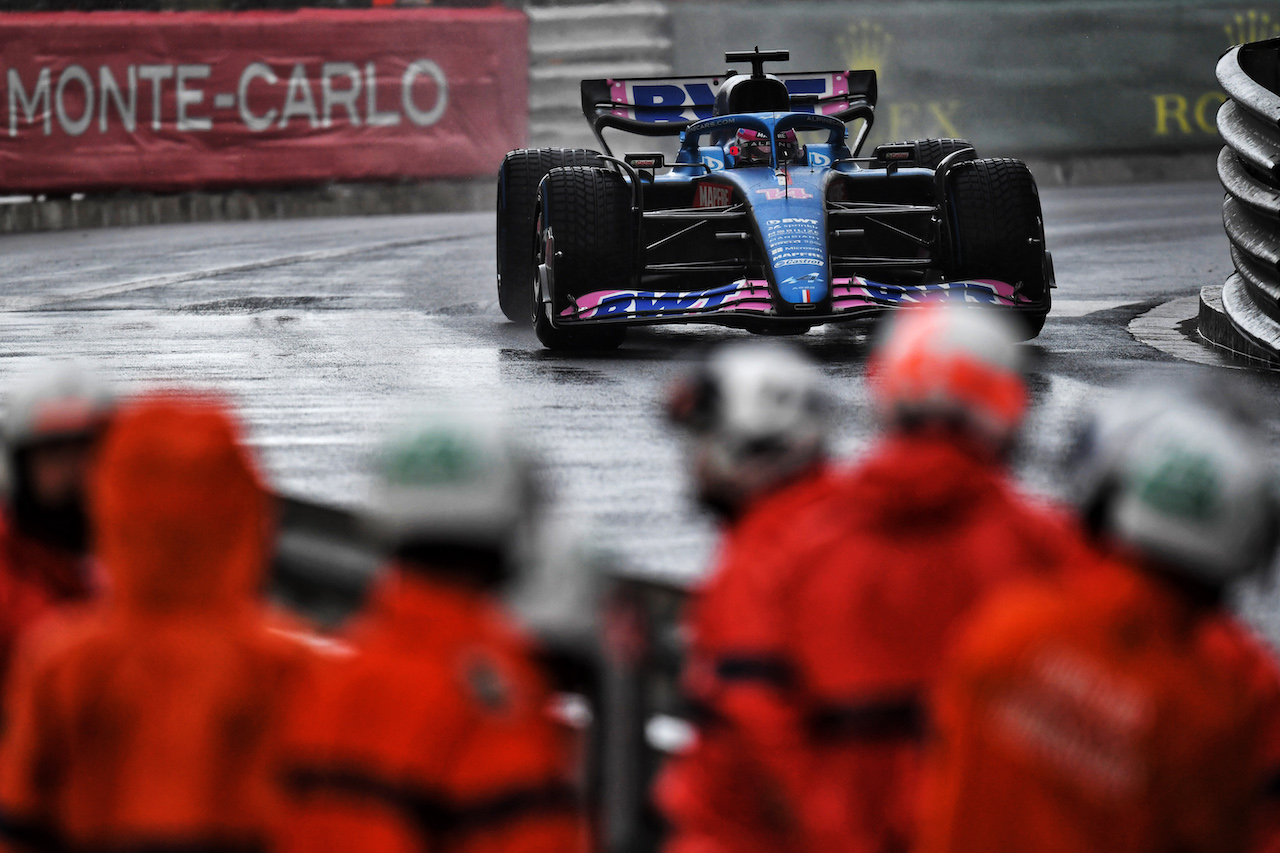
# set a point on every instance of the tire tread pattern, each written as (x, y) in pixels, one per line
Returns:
(931, 152)
(999, 229)
(520, 175)
(588, 210)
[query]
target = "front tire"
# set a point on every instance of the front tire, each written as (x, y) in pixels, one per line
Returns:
(518, 178)
(998, 231)
(585, 244)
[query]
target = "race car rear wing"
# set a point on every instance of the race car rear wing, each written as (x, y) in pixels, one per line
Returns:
(664, 106)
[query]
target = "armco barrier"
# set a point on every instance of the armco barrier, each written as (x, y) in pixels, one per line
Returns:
(1249, 167)
(181, 101)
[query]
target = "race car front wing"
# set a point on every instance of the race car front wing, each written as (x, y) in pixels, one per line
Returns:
(850, 297)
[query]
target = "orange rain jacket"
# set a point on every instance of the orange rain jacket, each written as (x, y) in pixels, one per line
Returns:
(146, 721)
(35, 579)
(919, 532)
(1100, 714)
(432, 735)
(716, 795)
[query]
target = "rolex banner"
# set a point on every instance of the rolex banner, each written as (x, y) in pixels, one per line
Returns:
(1013, 77)
(176, 101)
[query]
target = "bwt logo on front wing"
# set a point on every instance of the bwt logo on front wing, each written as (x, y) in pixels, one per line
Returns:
(177, 95)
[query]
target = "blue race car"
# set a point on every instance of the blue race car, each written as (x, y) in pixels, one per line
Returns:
(767, 220)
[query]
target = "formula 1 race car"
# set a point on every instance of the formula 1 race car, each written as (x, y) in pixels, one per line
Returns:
(767, 220)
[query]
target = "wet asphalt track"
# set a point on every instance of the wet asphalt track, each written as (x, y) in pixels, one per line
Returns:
(323, 330)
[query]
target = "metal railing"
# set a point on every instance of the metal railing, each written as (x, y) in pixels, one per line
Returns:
(1249, 167)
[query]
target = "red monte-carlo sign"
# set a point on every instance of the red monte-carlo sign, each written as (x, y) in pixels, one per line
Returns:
(175, 101)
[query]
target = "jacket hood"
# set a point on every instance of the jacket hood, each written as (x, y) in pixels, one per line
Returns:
(925, 475)
(181, 516)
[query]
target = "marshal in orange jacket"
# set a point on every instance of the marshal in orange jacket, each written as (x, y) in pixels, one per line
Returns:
(433, 734)
(922, 531)
(717, 796)
(35, 580)
(1106, 713)
(147, 721)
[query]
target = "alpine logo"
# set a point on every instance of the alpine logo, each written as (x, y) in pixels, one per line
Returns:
(713, 195)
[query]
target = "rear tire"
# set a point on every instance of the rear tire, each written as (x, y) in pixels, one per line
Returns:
(518, 178)
(931, 152)
(998, 231)
(586, 213)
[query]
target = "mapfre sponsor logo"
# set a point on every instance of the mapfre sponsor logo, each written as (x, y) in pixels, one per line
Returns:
(713, 195)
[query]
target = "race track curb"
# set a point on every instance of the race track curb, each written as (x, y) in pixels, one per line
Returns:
(57, 214)
(1216, 328)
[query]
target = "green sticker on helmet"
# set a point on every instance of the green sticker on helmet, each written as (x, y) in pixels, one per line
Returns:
(432, 458)
(1183, 484)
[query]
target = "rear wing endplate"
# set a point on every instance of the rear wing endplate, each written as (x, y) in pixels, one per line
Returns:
(664, 106)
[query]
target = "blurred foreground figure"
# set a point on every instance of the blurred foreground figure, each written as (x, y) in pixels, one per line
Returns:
(51, 431)
(758, 419)
(1121, 709)
(434, 733)
(924, 527)
(147, 722)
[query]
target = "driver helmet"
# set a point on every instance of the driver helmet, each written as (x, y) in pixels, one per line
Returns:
(750, 148)
(789, 148)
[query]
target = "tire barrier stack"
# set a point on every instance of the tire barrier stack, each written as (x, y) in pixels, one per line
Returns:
(1244, 317)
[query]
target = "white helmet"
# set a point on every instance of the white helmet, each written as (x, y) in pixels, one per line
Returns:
(1188, 485)
(954, 363)
(61, 400)
(759, 415)
(454, 480)
(61, 403)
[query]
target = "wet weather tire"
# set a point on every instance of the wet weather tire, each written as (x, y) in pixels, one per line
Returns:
(518, 179)
(998, 231)
(931, 152)
(586, 244)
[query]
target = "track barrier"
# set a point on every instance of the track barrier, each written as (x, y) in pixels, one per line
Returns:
(1249, 167)
(173, 102)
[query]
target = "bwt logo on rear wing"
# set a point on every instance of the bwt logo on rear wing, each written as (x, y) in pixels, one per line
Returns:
(664, 106)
